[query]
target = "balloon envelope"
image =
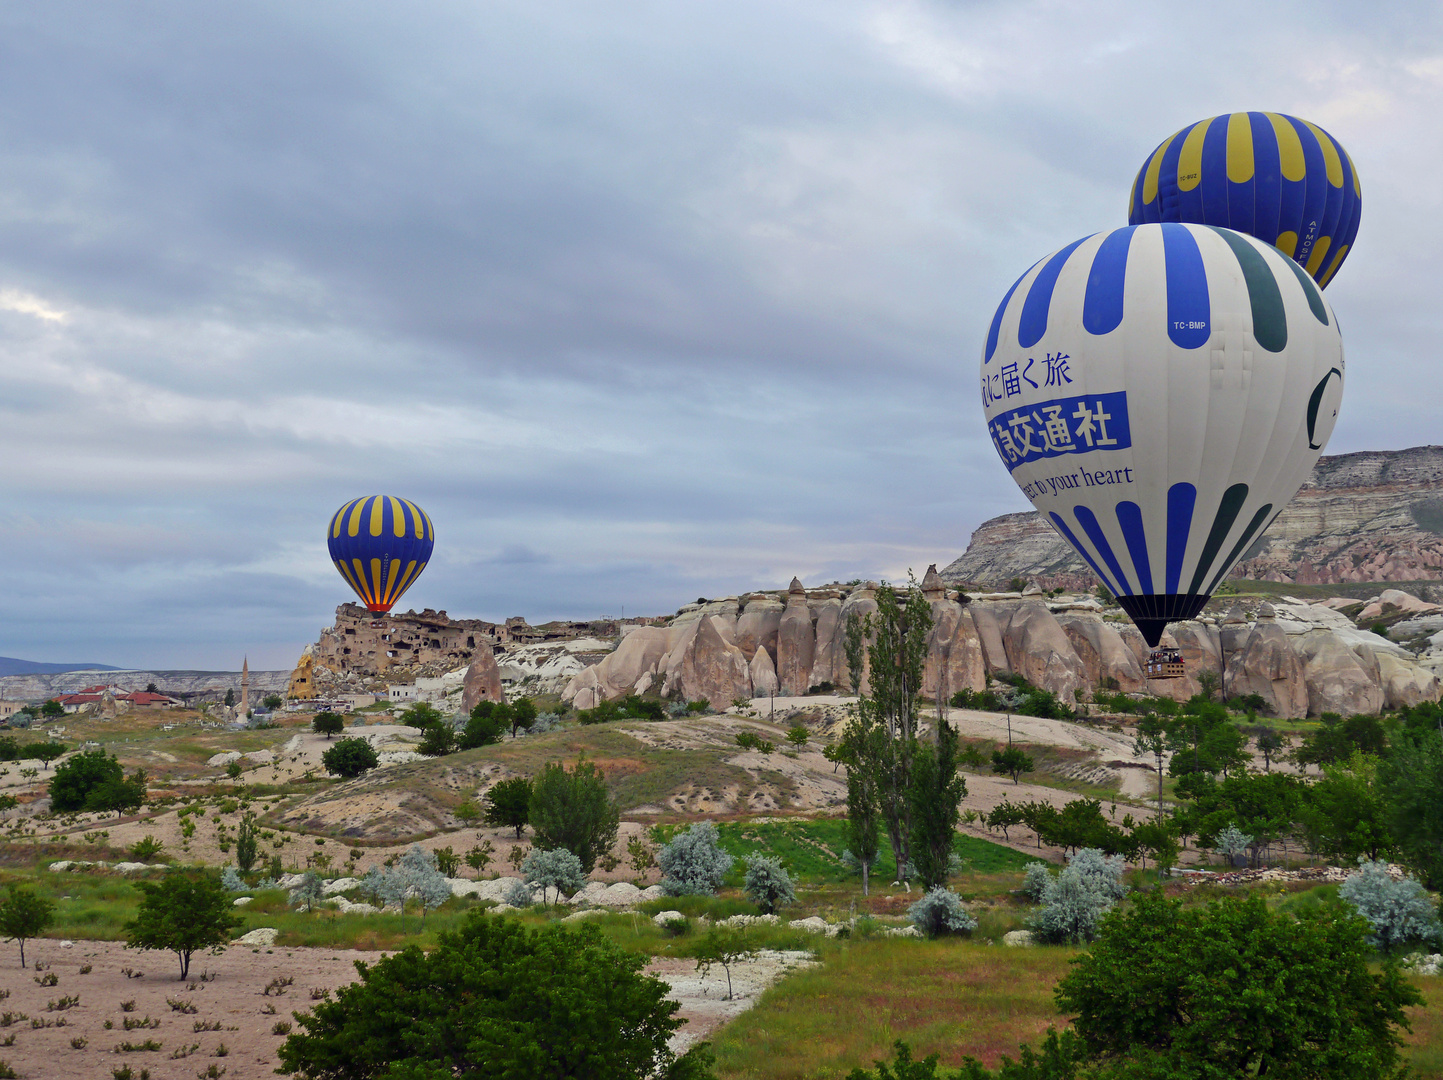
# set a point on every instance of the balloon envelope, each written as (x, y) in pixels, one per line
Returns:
(1160, 392)
(380, 544)
(1281, 179)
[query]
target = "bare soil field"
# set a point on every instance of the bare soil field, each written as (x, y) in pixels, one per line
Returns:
(227, 993)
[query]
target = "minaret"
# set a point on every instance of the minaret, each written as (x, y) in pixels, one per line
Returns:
(245, 685)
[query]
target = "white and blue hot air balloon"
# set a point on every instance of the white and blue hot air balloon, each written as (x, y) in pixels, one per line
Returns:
(1159, 392)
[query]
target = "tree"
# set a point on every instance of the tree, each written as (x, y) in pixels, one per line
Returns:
(572, 809)
(482, 729)
(46, 751)
(935, 795)
(1270, 744)
(245, 843)
(273, 701)
(479, 857)
(1073, 904)
(468, 813)
(1235, 989)
(421, 715)
(183, 913)
(1344, 815)
(1152, 739)
(1011, 762)
(863, 821)
(508, 804)
(73, 781)
(23, 915)
(421, 871)
(693, 862)
(798, 735)
(725, 946)
(523, 715)
(327, 724)
(1207, 682)
(1397, 911)
(350, 757)
(767, 884)
(229, 696)
(52, 708)
(497, 999)
(1336, 740)
(940, 912)
(882, 739)
(118, 794)
(308, 892)
(416, 875)
(558, 869)
(438, 740)
(1411, 779)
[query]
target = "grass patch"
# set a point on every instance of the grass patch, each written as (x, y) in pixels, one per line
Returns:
(811, 850)
(949, 997)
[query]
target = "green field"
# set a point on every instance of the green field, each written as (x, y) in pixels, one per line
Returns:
(811, 850)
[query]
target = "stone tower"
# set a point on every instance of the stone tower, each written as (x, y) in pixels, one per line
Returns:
(245, 686)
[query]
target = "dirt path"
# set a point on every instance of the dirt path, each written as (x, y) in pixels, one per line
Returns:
(704, 1002)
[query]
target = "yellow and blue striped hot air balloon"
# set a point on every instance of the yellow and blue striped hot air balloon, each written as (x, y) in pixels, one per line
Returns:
(380, 544)
(1283, 180)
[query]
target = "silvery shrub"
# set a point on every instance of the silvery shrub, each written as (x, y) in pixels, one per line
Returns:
(1104, 872)
(308, 892)
(694, 862)
(230, 881)
(1072, 907)
(1232, 842)
(767, 885)
(939, 912)
(555, 869)
(1398, 911)
(518, 894)
(1039, 876)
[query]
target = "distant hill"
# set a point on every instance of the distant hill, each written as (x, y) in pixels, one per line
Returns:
(1362, 517)
(11, 666)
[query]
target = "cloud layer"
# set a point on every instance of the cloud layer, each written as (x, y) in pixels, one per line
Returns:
(639, 307)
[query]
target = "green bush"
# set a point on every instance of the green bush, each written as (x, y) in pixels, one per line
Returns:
(497, 999)
(350, 758)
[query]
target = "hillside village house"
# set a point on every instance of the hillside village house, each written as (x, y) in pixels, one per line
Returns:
(137, 699)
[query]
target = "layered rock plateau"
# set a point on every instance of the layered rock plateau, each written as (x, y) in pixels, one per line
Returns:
(1371, 516)
(1302, 659)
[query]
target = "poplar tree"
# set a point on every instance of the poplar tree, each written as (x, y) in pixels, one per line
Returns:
(881, 743)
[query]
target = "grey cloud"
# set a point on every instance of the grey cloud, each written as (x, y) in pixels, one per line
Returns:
(639, 308)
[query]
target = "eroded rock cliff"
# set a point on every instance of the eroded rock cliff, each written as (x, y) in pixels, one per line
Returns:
(1370, 516)
(1299, 658)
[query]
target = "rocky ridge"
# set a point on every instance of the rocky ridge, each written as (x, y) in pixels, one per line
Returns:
(1300, 658)
(1369, 516)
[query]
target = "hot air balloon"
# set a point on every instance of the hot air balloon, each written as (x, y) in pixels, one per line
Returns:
(1160, 392)
(1281, 179)
(380, 544)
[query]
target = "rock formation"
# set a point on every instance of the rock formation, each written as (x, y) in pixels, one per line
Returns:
(482, 682)
(712, 668)
(1372, 516)
(1266, 665)
(1301, 659)
(796, 643)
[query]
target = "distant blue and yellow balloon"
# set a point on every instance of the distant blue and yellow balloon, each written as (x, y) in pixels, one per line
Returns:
(1283, 180)
(380, 544)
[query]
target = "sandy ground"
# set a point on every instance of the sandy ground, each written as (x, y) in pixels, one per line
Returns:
(233, 996)
(704, 1002)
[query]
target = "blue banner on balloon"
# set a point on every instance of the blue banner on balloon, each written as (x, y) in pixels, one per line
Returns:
(1074, 425)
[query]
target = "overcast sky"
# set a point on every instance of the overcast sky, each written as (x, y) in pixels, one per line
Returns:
(641, 302)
